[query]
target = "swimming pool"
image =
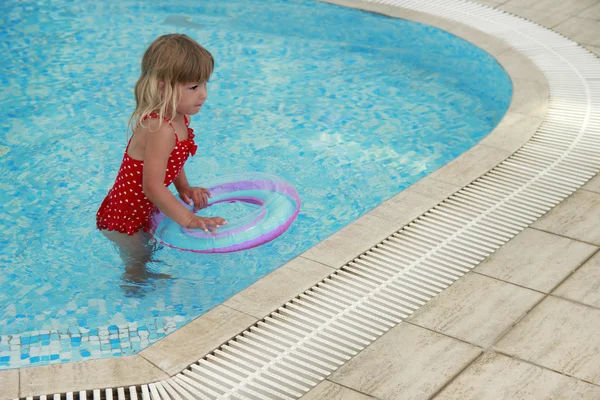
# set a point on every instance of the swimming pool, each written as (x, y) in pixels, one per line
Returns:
(349, 116)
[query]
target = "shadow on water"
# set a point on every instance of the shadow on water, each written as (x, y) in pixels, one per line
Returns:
(182, 22)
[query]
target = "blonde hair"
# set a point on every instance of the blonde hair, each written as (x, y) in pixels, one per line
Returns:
(171, 60)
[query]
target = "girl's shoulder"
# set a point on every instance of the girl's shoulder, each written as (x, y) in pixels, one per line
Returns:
(152, 129)
(153, 124)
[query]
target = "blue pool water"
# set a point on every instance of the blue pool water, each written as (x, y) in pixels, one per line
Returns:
(349, 107)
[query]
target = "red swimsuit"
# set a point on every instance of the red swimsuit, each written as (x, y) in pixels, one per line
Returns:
(126, 209)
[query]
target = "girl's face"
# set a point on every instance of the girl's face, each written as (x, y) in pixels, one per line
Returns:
(193, 96)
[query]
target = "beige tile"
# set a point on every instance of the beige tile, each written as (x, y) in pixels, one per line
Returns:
(584, 285)
(546, 18)
(432, 188)
(592, 12)
(424, 18)
(560, 335)
(593, 49)
(327, 390)
(522, 3)
(490, 44)
(576, 217)
(489, 3)
(496, 377)
(414, 201)
(188, 344)
(571, 7)
(351, 241)
(512, 132)
(470, 165)
(537, 260)
(72, 377)
(593, 184)
(581, 30)
(529, 97)
(9, 384)
(279, 286)
(520, 66)
(396, 12)
(406, 363)
(476, 309)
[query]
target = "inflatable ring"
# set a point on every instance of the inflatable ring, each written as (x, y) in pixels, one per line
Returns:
(273, 202)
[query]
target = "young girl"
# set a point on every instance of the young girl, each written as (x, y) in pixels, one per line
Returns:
(172, 87)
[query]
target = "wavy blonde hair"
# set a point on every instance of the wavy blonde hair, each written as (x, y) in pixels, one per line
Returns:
(171, 60)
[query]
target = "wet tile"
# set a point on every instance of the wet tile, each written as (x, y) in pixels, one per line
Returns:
(470, 165)
(327, 390)
(520, 66)
(351, 241)
(547, 18)
(424, 18)
(581, 30)
(584, 285)
(530, 97)
(414, 201)
(407, 363)
(279, 286)
(72, 377)
(476, 309)
(397, 12)
(576, 218)
(496, 377)
(513, 131)
(193, 341)
(9, 384)
(560, 335)
(537, 260)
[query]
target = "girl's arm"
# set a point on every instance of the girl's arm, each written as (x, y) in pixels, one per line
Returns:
(158, 148)
(181, 182)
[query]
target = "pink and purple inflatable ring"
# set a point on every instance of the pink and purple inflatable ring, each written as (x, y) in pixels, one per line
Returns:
(273, 204)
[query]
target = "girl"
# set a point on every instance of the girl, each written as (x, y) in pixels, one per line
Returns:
(172, 87)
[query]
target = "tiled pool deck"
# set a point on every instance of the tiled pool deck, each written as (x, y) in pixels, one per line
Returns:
(522, 325)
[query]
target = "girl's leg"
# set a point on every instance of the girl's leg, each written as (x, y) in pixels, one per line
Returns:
(135, 251)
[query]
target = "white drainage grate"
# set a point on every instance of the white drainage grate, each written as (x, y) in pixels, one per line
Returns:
(293, 349)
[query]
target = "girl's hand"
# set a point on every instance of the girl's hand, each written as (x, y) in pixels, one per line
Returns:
(205, 223)
(196, 196)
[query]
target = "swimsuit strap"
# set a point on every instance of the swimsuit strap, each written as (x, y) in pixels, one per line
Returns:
(154, 115)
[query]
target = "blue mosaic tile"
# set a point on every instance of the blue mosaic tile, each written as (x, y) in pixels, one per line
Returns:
(405, 105)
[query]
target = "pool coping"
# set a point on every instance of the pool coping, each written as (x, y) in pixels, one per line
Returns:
(185, 346)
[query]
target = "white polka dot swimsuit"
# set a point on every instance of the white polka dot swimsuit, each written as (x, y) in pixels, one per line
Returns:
(126, 209)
